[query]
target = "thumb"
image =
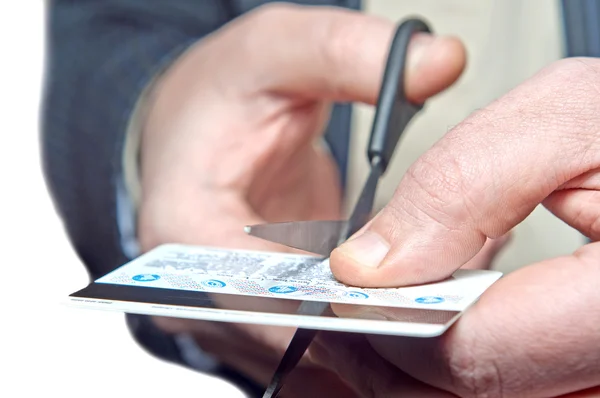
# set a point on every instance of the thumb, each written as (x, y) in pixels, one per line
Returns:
(481, 180)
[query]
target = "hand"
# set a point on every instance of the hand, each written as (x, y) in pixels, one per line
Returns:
(536, 332)
(230, 141)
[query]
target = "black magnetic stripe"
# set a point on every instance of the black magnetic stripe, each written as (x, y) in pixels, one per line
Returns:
(160, 296)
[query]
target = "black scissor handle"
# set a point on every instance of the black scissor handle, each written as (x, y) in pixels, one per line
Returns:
(394, 111)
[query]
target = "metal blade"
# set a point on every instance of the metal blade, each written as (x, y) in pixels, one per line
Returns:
(303, 337)
(364, 206)
(392, 115)
(298, 346)
(319, 237)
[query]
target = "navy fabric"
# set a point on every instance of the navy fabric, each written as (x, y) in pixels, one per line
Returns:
(582, 27)
(101, 55)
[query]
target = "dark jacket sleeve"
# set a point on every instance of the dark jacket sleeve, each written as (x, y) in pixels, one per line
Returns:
(100, 56)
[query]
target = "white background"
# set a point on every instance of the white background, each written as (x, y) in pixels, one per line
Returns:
(47, 349)
(50, 350)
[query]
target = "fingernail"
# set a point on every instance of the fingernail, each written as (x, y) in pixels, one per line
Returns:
(418, 48)
(368, 249)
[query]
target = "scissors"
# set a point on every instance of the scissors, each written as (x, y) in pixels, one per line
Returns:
(392, 115)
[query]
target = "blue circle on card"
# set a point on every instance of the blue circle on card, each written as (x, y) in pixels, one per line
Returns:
(358, 295)
(146, 277)
(214, 283)
(429, 300)
(283, 289)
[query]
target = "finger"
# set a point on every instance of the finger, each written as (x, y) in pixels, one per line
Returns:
(578, 203)
(485, 257)
(336, 54)
(580, 208)
(534, 333)
(354, 360)
(480, 180)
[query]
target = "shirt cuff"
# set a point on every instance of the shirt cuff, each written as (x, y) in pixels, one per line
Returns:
(132, 147)
(128, 184)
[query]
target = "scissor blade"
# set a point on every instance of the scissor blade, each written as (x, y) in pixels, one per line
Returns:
(298, 346)
(319, 236)
(303, 337)
(364, 206)
(392, 115)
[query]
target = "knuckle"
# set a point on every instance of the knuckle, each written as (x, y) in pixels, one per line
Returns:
(438, 177)
(569, 90)
(441, 187)
(576, 108)
(576, 69)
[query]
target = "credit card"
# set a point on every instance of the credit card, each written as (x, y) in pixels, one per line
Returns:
(259, 287)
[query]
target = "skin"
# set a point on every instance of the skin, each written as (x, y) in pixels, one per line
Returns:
(535, 333)
(230, 140)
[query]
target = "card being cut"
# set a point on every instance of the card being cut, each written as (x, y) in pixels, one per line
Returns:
(266, 288)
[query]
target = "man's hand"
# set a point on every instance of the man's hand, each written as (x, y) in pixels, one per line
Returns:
(536, 332)
(231, 140)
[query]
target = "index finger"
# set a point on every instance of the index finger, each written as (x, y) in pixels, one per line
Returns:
(481, 180)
